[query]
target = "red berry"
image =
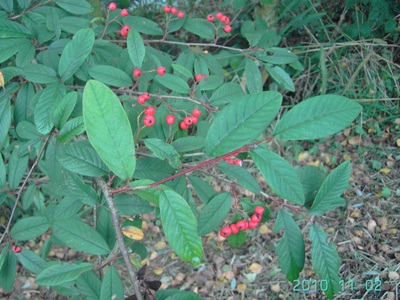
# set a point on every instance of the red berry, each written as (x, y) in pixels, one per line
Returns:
(170, 119)
(141, 99)
(149, 120)
(246, 225)
(188, 121)
(237, 162)
(219, 15)
(259, 210)
(241, 225)
(196, 112)
(253, 224)
(225, 20)
(125, 30)
(234, 228)
(161, 71)
(256, 217)
(227, 28)
(16, 249)
(149, 110)
(194, 119)
(112, 6)
(124, 12)
(181, 15)
(183, 125)
(226, 231)
(174, 10)
(210, 18)
(146, 95)
(230, 161)
(198, 77)
(167, 9)
(227, 158)
(137, 72)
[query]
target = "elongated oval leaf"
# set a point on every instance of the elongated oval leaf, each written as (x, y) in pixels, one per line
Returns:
(178, 224)
(241, 122)
(203, 190)
(29, 228)
(8, 269)
(317, 117)
(76, 7)
(213, 213)
(16, 168)
(108, 129)
(2, 172)
(79, 236)
(253, 77)
(64, 109)
(279, 174)
(11, 29)
(200, 27)
(163, 151)
(75, 53)
(174, 83)
(111, 287)
(73, 127)
(5, 117)
(89, 285)
(290, 248)
(136, 48)
(31, 261)
(143, 25)
(40, 74)
(110, 75)
(226, 93)
(61, 273)
(241, 175)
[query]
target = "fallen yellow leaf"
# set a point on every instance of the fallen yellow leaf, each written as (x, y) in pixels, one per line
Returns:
(241, 287)
(255, 268)
(385, 170)
(346, 157)
(275, 288)
(133, 233)
(2, 80)
(398, 142)
(158, 271)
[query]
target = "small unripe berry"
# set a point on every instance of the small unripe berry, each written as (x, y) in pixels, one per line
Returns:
(146, 96)
(259, 210)
(183, 125)
(196, 112)
(225, 20)
(227, 28)
(174, 10)
(141, 99)
(188, 121)
(194, 119)
(112, 6)
(167, 9)
(226, 231)
(124, 12)
(161, 71)
(256, 218)
(210, 18)
(149, 110)
(16, 249)
(198, 77)
(219, 15)
(241, 225)
(149, 120)
(137, 72)
(170, 119)
(253, 224)
(234, 228)
(181, 15)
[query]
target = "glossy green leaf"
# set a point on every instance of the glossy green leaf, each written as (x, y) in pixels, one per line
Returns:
(68, 207)
(29, 228)
(60, 273)
(27, 130)
(89, 285)
(151, 195)
(72, 128)
(178, 223)
(25, 56)
(76, 7)
(317, 117)
(105, 226)
(163, 151)
(31, 261)
(253, 76)
(311, 178)
(241, 176)
(111, 287)
(279, 174)
(40, 74)
(328, 196)
(108, 129)
(325, 260)
(24, 4)
(78, 188)
(174, 83)
(153, 169)
(213, 64)
(280, 56)
(8, 269)
(237, 240)
(52, 22)
(2, 173)
(129, 205)
(143, 25)
(73, 24)
(200, 27)
(79, 236)
(210, 82)
(9, 47)
(136, 48)
(11, 29)
(5, 117)
(175, 294)
(81, 158)
(282, 78)
(182, 70)
(75, 53)
(241, 122)
(203, 190)
(17, 167)
(64, 109)
(189, 143)
(290, 248)
(22, 110)
(110, 75)
(212, 215)
(7, 5)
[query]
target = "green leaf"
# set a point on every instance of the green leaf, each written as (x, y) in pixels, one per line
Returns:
(8, 269)
(175, 294)
(290, 248)
(212, 215)
(241, 176)
(311, 178)
(7, 5)
(110, 75)
(210, 82)
(73, 24)
(129, 205)
(17, 166)
(79, 236)
(174, 83)
(52, 22)
(29, 228)
(2, 173)
(200, 27)
(280, 56)
(178, 224)
(182, 70)
(27, 130)
(89, 285)
(9, 47)
(76, 7)
(153, 169)
(253, 76)
(64, 109)
(151, 194)
(31, 261)
(279, 174)
(203, 190)
(5, 117)
(68, 207)
(325, 260)
(81, 158)
(75, 53)
(111, 287)
(237, 240)
(24, 3)
(281, 77)
(241, 122)
(189, 143)
(143, 25)
(328, 196)
(73, 127)
(136, 48)
(105, 226)
(11, 29)
(76, 187)
(40, 74)
(317, 117)
(22, 110)
(60, 273)
(163, 151)
(108, 129)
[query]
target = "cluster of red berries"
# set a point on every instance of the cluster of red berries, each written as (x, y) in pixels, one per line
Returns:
(190, 120)
(143, 98)
(149, 119)
(242, 224)
(232, 160)
(173, 10)
(16, 249)
(223, 19)
(160, 71)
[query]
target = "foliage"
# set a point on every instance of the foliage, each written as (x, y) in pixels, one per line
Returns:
(76, 157)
